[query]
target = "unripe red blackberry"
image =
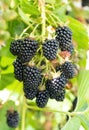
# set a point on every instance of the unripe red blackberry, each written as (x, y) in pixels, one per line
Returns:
(15, 47)
(50, 48)
(18, 69)
(68, 69)
(28, 49)
(29, 92)
(12, 118)
(32, 76)
(42, 98)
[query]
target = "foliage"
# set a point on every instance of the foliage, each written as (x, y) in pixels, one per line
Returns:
(20, 18)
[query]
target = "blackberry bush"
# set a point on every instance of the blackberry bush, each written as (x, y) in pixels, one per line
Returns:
(15, 46)
(42, 98)
(28, 49)
(12, 119)
(32, 76)
(18, 69)
(50, 48)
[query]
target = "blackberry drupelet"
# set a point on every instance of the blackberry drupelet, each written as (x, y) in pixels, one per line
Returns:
(12, 118)
(50, 48)
(58, 68)
(42, 98)
(32, 76)
(15, 47)
(57, 84)
(60, 96)
(18, 69)
(29, 92)
(68, 69)
(28, 49)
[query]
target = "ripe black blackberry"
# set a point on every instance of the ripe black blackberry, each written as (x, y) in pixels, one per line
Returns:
(68, 69)
(85, 2)
(32, 76)
(18, 69)
(15, 47)
(69, 48)
(42, 98)
(28, 49)
(58, 68)
(60, 96)
(29, 92)
(57, 84)
(64, 38)
(50, 48)
(12, 118)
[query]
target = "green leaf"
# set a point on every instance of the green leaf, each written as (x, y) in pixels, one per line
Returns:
(80, 34)
(72, 124)
(6, 79)
(83, 90)
(29, 7)
(84, 121)
(23, 16)
(3, 111)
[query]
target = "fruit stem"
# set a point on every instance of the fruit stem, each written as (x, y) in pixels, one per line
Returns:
(43, 16)
(23, 115)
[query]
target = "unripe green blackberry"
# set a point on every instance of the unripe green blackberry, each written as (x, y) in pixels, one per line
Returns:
(68, 69)
(42, 98)
(18, 69)
(50, 48)
(32, 76)
(15, 47)
(12, 118)
(28, 49)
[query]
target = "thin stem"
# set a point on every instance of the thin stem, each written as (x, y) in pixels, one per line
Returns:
(43, 16)
(23, 115)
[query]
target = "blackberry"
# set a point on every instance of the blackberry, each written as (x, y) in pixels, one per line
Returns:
(12, 118)
(28, 49)
(58, 68)
(57, 84)
(64, 38)
(69, 48)
(32, 76)
(68, 69)
(29, 92)
(42, 98)
(61, 95)
(50, 48)
(15, 47)
(18, 69)
(85, 2)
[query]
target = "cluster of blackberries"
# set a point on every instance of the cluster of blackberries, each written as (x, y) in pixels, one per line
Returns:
(33, 77)
(12, 118)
